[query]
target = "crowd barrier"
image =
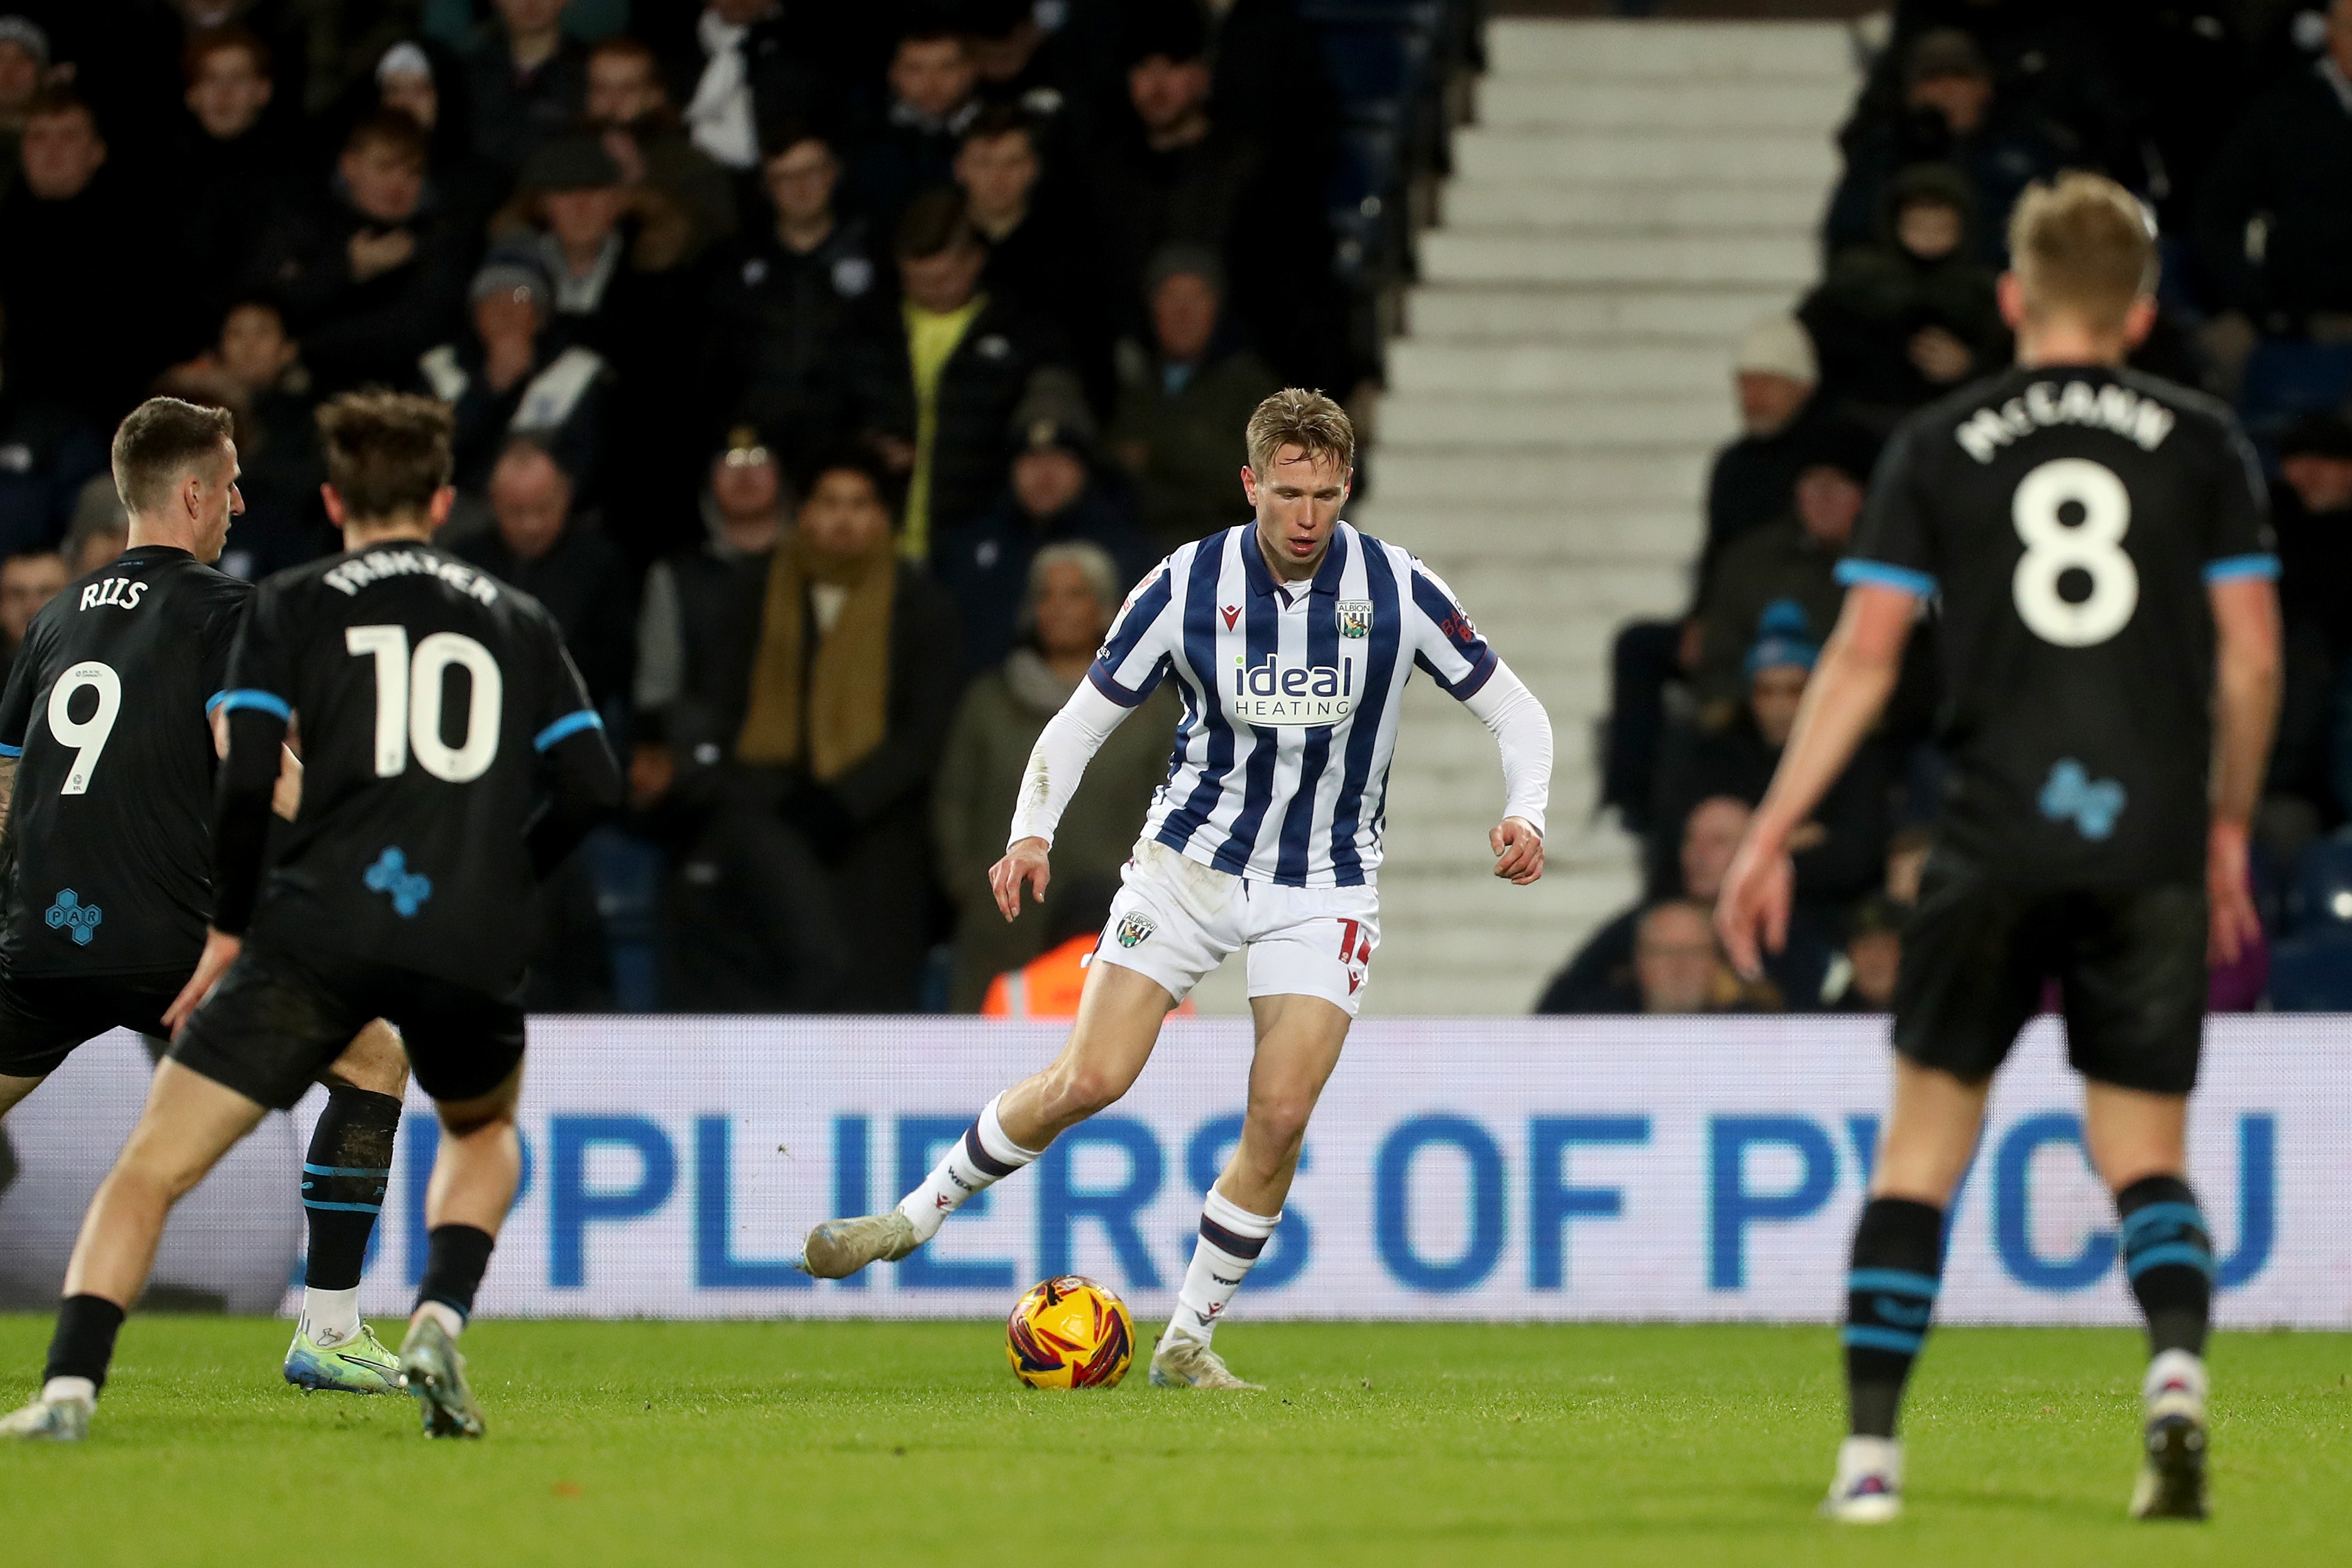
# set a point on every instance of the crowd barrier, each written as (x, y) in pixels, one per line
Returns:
(1604, 1168)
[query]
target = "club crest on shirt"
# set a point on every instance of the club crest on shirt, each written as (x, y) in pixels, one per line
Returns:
(1355, 617)
(1135, 928)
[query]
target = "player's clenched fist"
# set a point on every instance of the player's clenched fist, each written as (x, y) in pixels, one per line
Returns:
(1024, 863)
(1518, 851)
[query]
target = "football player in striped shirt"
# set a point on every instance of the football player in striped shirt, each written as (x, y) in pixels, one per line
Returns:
(1290, 638)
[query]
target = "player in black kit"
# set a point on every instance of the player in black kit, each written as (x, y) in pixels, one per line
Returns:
(108, 863)
(450, 757)
(2109, 635)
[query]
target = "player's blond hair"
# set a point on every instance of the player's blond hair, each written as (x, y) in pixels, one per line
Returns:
(160, 442)
(2083, 244)
(1296, 416)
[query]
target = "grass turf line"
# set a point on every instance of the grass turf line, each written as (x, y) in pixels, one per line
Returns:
(885, 1443)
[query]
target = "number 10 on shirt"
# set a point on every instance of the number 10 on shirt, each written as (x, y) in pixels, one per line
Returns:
(408, 692)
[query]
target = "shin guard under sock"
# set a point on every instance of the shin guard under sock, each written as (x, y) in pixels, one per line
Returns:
(1898, 1264)
(83, 1345)
(343, 1179)
(984, 1156)
(456, 1257)
(1230, 1240)
(2168, 1258)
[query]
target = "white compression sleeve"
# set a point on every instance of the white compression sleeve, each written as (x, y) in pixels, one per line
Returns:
(1523, 731)
(1069, 741)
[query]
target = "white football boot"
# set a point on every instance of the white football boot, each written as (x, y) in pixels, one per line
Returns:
(48, 1421)
(1869, 1485)
(839, 1248)
(1183, 1362)
(2172, 1473)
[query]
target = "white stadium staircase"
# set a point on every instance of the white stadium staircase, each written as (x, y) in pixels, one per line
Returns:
(1629, 196)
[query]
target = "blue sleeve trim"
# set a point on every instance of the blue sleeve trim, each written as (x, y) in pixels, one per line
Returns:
(2236, 566)
(1481, 670)
(1113, 690)
(214, 700)
(570, 725)
(1853, 572)
(11, 751)
(260, 702)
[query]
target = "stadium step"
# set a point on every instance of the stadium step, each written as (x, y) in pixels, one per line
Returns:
(1736, 258)
(1687, 207)
(1609, 369)
(1610, 315)
(1628, 158)
(1690, 103)
(1633, 194)
(1436, 479)
(1475, 423)
(1820, 55)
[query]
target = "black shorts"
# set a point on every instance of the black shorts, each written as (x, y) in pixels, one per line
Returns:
(279, 1017)
(43, 1018)
(2129, 963)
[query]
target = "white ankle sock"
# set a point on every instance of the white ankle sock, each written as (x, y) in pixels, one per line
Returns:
(2175, 1366)
(81, 1388)
(331, 1317)
(452, 1321)
(1230, 1240)
(980, 1159)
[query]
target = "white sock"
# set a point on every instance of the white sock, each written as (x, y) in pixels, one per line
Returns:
(1859, 1456)
(1230, 1240)
(980, 1159)
(2175, 1368)
(452, 1321)
(61, 1388)
(331, 1317)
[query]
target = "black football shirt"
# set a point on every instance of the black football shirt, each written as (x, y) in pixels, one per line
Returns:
(2069, 520)
(423, 692)
(110, 834)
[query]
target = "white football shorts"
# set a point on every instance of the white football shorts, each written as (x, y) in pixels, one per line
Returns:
(1175, 919)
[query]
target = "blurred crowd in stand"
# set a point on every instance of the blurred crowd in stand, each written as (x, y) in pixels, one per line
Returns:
(2234, 121)
(829, 370)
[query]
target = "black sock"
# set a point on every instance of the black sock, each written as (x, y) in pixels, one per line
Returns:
(2168, 1258)
(84, 1343)
(454, 1261)
(343, 1179)
(1898, 1263)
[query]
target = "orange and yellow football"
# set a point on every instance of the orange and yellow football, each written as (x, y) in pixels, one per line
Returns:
(1070, 1332)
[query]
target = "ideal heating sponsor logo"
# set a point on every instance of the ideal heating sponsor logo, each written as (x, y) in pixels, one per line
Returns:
(1279, 693)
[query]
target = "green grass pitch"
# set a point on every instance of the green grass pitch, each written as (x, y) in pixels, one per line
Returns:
(786, 1443)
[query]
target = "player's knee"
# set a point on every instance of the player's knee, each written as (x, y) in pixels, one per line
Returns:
(375, 1061)
(1079, 1091)
(1277, 1123)
(466, 1118)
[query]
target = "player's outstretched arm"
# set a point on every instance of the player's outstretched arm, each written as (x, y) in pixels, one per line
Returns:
(2246, 664)
(1056, 763)
(1848, 691)
(1522, 733)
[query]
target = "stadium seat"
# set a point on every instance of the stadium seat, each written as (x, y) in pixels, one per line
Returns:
(2312, 973)
(2286, 380)
(1365, 197)
(2321, 897)
(1380, 70)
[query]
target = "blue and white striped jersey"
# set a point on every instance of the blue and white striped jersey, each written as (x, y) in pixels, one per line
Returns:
(1292, 694)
